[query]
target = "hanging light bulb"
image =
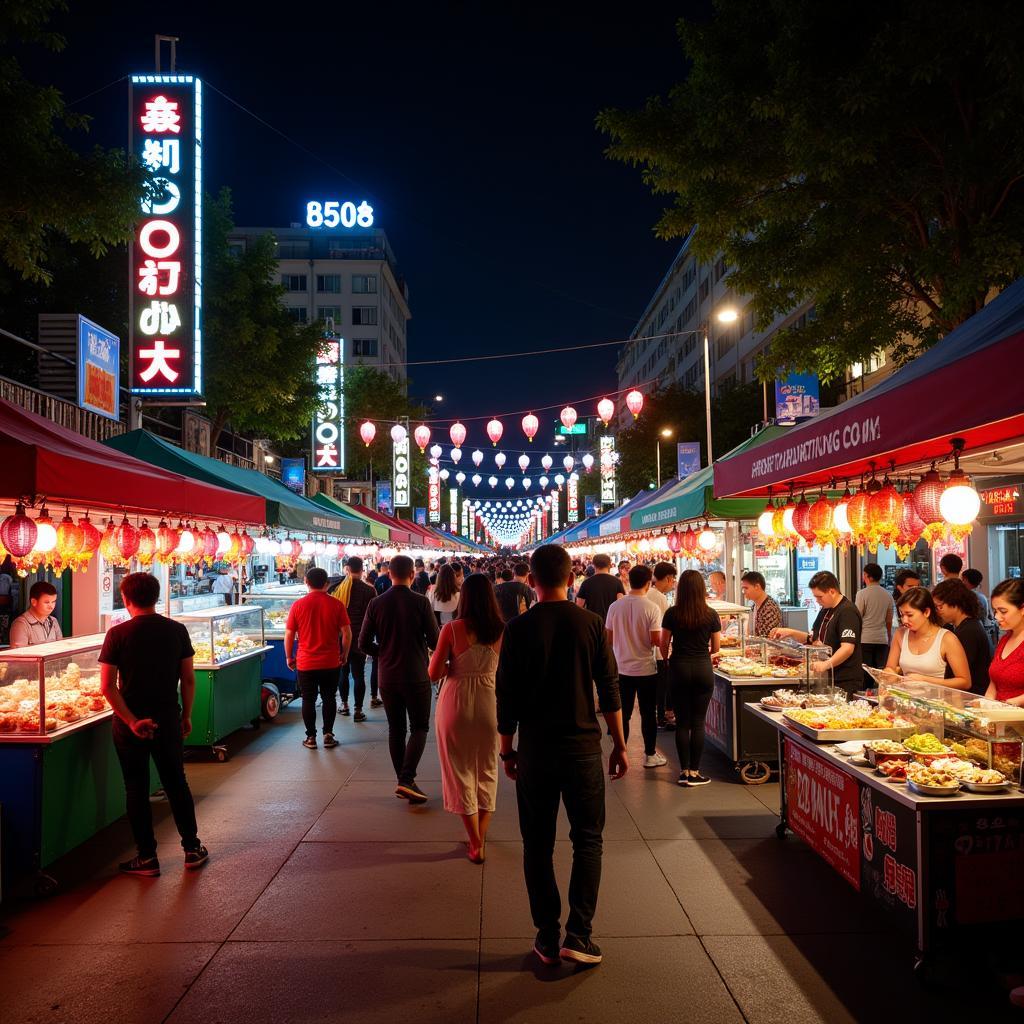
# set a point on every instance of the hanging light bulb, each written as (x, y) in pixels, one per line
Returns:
(223, 541)
(765, 521)
(367, 431)
(960, 502)
(606, 410)
(422, 437)
(568, 417)
(457, 432)
(494, 431)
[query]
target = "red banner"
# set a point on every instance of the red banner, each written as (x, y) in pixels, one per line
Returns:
(821, 808)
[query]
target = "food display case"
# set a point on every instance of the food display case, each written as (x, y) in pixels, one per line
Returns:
(229, 647)
(735, 623)
(186, 603)
(777, 673)
(276, 604)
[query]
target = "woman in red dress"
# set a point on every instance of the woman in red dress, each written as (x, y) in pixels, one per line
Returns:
(1006, 674)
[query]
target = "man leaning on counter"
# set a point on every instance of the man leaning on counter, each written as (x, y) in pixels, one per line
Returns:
(37, 625)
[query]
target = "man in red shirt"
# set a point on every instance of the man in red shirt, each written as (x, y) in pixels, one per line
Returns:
(319, 621)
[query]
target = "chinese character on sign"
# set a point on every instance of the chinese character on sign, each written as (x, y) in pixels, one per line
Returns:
(162, 154)
(150, 277)
(889, 867)
(885, 827)
(158, 356)
(159, 318)
(906, 885)
(327, 456)
(161, 116)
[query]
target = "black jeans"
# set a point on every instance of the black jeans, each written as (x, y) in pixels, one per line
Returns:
(322, 682)
(578, 782)
(374, 690)
(167, 752)
(407, 706)
(356, 665)
(645, 690)
(693, 683)
(664, 694)
(874, 656)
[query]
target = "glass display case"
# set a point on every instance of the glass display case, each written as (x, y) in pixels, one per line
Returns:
(987, 732)
(276, 605)
(186, 603)
(735, 624)
(225, 634)
(791, 663)
(47, 689)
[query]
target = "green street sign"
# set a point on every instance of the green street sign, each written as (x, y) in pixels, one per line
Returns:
(576, 428)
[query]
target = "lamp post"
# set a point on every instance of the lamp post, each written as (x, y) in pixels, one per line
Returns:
(726, 315)
(664, 432)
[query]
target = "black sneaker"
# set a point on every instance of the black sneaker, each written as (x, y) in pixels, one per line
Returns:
(359, 716)
(196, 858)
(309, 742)
(546, 949)
(411, 792)
(144, 867)
(376, 702)
(344, 710)
(697, 780)
(683, 780)
(581, 951)
(329, 740)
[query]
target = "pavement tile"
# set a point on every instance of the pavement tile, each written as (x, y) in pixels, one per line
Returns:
(635, 899)
(80, 985)
(369, 891)
(180, 906)
(654, 979)
(370, 982)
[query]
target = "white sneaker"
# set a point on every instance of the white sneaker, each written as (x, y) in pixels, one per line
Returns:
(655, 760)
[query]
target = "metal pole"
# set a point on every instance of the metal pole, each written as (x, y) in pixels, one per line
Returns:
(659, 463)
(764, 401)
(707, 389)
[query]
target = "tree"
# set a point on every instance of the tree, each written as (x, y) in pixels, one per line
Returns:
(48, 190)
(260, 365)
(868, 158)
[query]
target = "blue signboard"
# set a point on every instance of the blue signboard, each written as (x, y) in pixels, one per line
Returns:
(384, 502)
(420, 516)
(593, 505)
(293, 475)
(806, 564)
(99, 369)
(687, 458)
(796, 397)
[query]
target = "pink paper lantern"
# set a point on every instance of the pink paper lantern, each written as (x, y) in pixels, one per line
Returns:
(634, 403)
(422, 437)
(606, 410)
(530, 425)
(568, 417)
(494, 431)
(367, 431)
(457, 433)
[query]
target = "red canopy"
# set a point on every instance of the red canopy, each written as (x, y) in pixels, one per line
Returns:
(399, 530)
(42, 460)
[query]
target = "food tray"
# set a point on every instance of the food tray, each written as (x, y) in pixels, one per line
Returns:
(932, 790)
(986, 787)
(840, 735)
(875, 758)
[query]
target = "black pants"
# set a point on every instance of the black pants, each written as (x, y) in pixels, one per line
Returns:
(322, 682)
(664, 691)
(407, 706)
(356, 665)
(645, 690)
(579, 783)
(374, 690)
(166, 750)
(874, 655)
(693, 683)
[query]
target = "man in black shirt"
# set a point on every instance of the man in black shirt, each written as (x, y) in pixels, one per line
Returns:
(421, 584)
(150, 654)
(514, 595)
(550, 659)
(397, 630)
(838, 626)
(355, 594)
(599, 592)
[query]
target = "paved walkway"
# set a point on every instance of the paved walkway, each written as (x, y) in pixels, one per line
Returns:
(327, 899)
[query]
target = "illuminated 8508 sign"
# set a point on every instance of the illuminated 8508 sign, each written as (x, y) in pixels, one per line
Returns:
(333, 213)
(166, 256)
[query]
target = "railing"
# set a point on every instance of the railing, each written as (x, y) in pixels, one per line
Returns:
(232, 459)
(57, 410)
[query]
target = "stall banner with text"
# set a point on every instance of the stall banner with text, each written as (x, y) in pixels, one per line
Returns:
(821, 808)
(888, 847)
(99, 369)
(434, 495)
(717, 724)
(165, 329)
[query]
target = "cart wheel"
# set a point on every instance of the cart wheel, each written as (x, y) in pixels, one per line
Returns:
(271, 702)
(755, 773)
(45, 885)
(220, 753)
(780, 830)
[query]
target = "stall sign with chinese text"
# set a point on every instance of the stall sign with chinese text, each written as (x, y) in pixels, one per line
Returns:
(572, 499)
(607, 470)
(434, 495)
(453, 497)
(165, 346)
(328, 424)
(99, 369)
(555, 525)
(1002, 500)
(400, 466)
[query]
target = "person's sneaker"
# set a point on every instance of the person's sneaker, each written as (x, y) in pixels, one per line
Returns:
(309, 742)
(655, 760)
(343, 710)
(329, 740)
(547, 949)
(376, 702)
(144, 867)
(359, 716)
(582, 951)
(697, 780)
(411, 792)
(683, 780)
(196, 858)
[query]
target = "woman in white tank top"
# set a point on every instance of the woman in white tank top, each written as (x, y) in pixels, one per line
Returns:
(922, 649)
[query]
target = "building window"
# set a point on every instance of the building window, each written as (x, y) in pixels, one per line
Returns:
(294, 282)
(703, 291)
(364, 284)
(720, 269)
(295, 250)
(875, 363)
(364, 316)
(691, 344)
(328, 283)
(691, 376)
(333, 312)
(236, 249)
(364, 347)
(299, 314)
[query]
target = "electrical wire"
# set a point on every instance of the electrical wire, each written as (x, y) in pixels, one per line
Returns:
(95, 92)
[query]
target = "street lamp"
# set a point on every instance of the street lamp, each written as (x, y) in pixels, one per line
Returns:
(438, 398)
(665, 432)
(726, 315)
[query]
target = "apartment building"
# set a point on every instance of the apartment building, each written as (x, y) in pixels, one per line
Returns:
(350, 280)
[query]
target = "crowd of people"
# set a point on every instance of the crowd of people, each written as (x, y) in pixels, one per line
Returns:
(524, 657)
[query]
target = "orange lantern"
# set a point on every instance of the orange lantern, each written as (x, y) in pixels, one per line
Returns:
(910, 525)
(147, 545)
(69, 539)
(822, 521)
(927, 498)
(167, 538)
(884, 508)
(108, 544)
(90, 539)
(858, 514)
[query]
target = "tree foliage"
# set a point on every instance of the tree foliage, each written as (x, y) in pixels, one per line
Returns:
(259, 365)
(868, 157)
(49, 190)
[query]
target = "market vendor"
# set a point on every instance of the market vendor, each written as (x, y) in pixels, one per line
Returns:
(767, 613)
(838, 626)
(1006, 673)
(37, 625)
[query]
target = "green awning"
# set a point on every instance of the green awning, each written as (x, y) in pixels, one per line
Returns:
(694, 497)
(285, 508)
(378, 531)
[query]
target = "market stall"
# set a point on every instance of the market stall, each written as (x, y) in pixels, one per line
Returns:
(916, 804)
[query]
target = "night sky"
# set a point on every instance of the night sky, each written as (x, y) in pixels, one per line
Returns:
(471, 133)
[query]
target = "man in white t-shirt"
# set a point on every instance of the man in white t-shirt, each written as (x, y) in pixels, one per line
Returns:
(663, 584)
(634, 630)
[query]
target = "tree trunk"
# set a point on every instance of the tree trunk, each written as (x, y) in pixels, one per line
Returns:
(217, 428)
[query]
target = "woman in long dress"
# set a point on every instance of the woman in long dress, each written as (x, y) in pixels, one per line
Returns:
(467, 715)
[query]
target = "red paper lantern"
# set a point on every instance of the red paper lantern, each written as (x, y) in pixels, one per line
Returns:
(126, 537)
(209, 544)
(634, 403)
(675, 542)
(18, 533)
(235, 550)
(822, 521)
(167, 538)
(147, 545)
(802, 521)
(858, 513)
(494, 431)
(248, 543)
(457, 432)
(421, 435)
(690, 541)
(884, 507)
(108, 543)
(91, 538)
(927, 495)
(530, 425)
(69, 538)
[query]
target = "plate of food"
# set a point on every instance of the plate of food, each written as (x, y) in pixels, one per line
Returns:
(981, 780)
(926, 744)
(851, 748)
(894, 771)
(931, 782)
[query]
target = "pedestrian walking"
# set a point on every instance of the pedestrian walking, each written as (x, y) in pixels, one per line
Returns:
(444, 598)
(355, 594)
(513, 593)
(663, 584)
(634, 631)
(465, 662)
(142, 664)
(691, 633)
(397, 630)
(421, 583)
(551, 657)
(599, 591)
(324, 631)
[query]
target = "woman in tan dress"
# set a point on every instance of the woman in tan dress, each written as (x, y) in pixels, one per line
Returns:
(467, 716)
